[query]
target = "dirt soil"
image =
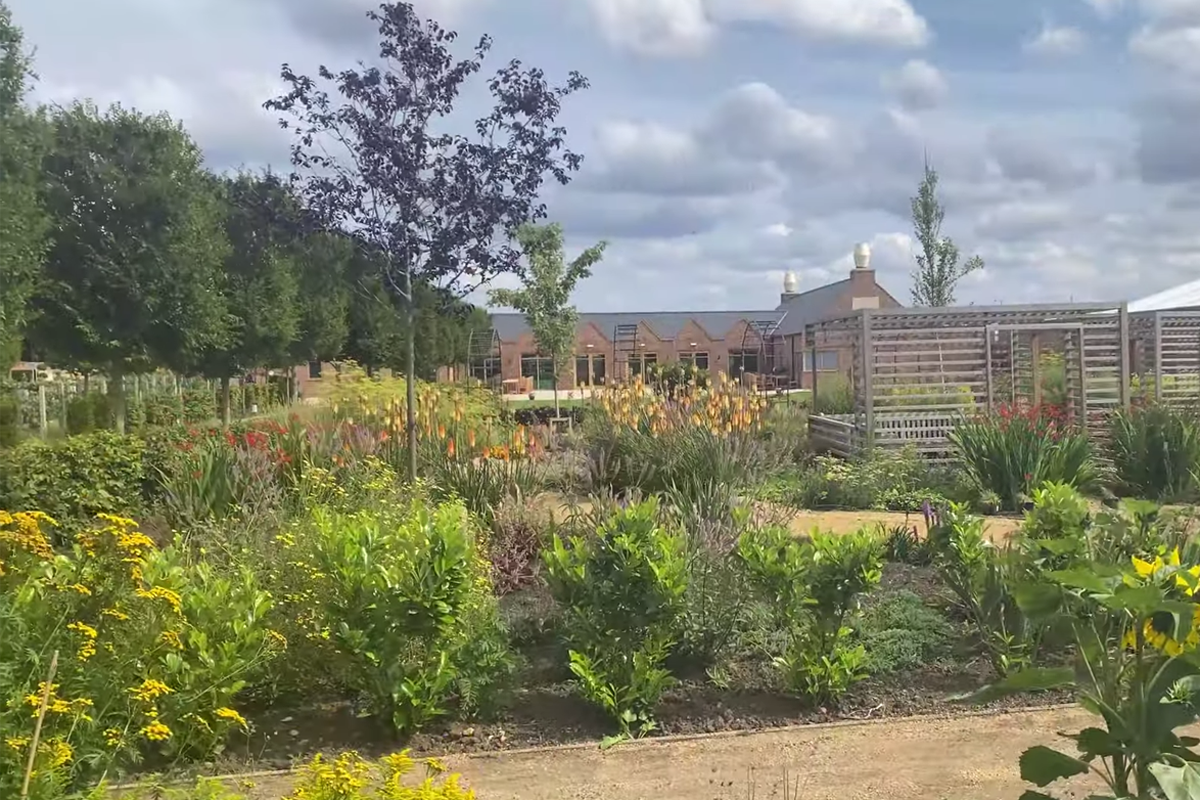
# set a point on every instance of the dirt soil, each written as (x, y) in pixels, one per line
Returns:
(931, 758)
(803, 522)
(999, 528)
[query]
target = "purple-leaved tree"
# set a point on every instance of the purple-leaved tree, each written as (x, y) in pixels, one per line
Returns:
(375, 155)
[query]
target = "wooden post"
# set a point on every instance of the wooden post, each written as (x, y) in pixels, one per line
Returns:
(42, 422)
(37, 727)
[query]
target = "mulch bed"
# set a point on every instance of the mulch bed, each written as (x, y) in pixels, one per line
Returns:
(548, 711)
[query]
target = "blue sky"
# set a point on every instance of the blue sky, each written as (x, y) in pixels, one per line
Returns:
(728, 141)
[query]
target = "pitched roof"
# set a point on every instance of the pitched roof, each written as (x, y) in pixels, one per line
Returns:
(808, 306)
(667, 325)
(1185, 295)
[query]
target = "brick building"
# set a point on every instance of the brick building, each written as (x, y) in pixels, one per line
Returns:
(616, 346)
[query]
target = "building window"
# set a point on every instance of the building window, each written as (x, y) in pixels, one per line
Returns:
(540, 368)
(589, 370)
(697, 360)
(741, 361)
(640, 363)
(314, 370)
(827, 361)
(485, 368)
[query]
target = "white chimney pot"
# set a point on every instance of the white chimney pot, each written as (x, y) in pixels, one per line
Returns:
(862, 255)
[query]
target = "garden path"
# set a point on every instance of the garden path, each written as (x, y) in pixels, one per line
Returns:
(960, 758)
(968, 757)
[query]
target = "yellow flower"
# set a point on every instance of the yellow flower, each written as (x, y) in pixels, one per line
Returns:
(83, 629)
(162, 593)
(112, 737)
(115, 613)
(156, 732)
(172, 639)
(17, 743)
(87, 647)
(35, 699)
(150, 690)
(60, 752)
(232, 716)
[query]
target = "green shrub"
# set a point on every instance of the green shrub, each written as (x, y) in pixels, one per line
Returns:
(10, 418)
(75, 478)
(199, 404)
(834, 394)
(1013, 451)
(622, 589)
(400, 596)
(900, 632)
(87, 412)
(883, 481)
(815, 586)
(983, 579)
(927, 394)
(1155, 451)
(154, 649)
(162, 408)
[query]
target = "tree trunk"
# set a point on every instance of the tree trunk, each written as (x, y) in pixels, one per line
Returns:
(116, 394)
(410, 380)
(226, 411)
(554, 366)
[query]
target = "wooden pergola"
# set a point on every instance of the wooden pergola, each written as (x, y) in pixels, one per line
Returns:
(916, 372)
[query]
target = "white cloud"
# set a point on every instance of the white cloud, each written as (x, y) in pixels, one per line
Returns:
(890, 22)
(655, 27)
(1057, 40)
(1176, 48)
(687, 27)
(917, 86)
(1025, 218)
(1106, 8)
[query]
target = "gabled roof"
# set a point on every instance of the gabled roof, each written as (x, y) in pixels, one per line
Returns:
(1186, 295)
(667, 325)
(808, 306)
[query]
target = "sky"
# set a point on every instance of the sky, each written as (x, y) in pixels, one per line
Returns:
(729, 141)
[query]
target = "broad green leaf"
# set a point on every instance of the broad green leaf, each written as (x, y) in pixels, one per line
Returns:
(1178, 782)
(1089, 579)
(1042, 766)
(1038, 600)
(1034, 679)
(1141, 600)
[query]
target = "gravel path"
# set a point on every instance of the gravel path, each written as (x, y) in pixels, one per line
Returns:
(963, 758)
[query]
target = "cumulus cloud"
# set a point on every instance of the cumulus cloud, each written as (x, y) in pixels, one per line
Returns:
(770, 149)
(688, 27)
(917, 86)
(1057, 40)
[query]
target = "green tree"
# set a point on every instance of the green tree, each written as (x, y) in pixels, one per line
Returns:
(938, 268)
(379, 326)
(134, 269)
(545, 295)
(323, 268)
(23, 220)
(260, 286)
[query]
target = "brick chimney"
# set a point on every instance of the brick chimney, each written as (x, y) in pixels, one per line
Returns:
(864, 292)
